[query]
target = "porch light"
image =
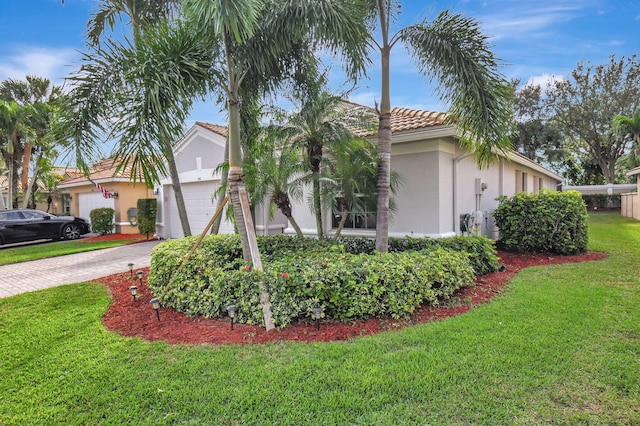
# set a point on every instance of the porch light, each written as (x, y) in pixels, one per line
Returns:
(130, 265)
(139, 273)
(316, 314)
(231, 310)
(155, 304)
(134, 291)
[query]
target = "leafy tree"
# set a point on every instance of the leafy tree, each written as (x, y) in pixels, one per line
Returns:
(451, 49)
(535, 135)
(584, 107)
(628, 127)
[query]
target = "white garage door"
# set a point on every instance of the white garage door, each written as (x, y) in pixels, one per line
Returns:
(198, 198)
(92, 200)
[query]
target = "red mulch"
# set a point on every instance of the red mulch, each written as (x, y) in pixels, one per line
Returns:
(115, 237)
(136, 318)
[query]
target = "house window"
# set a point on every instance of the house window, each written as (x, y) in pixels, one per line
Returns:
(524, 182)
(355, 220)
(540, 184)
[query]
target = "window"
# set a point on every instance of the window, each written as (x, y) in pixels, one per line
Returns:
(524, 182)
(355, 220)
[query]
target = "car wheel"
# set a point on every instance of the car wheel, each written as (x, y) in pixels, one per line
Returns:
(71, 232)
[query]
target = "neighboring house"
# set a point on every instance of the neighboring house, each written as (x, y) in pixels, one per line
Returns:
(442, 183)
(106, 188)
(58, 205)
(198, 154)
(631, 201)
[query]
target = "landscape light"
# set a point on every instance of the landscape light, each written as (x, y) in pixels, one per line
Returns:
(130, 269)
(155, 304)
(231, 310)
(316, 314)
(134, 291)
(139, 273)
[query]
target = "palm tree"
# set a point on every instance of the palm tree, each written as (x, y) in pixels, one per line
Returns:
(141, 13)
(629, 127)
(351, 178)
(279, 175)
(139, 88)
(453, 50)
(318, 123)
(263, 43)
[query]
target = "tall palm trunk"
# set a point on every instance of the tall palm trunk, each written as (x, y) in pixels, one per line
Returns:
(384, 141)
(343, 220)
(177, 188)
(24, 175)
(31, 188)
(243, 219)
(314, 152)
(284, 204)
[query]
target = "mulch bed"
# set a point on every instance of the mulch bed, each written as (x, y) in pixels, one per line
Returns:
(116, 237)
(136, 318)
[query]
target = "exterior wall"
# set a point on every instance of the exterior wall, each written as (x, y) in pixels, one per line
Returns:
(630, 206)
(210, 150)
(128, 195)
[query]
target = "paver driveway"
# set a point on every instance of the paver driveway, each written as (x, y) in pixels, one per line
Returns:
(44, 273)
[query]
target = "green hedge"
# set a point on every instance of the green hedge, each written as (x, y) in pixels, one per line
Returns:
(348, 286)
(147, 208)
(102, 220)
(548, 222)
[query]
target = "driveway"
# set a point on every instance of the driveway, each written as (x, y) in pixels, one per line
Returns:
(44, 273)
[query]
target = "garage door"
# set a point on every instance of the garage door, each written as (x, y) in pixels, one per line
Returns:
(92, 200)
(198, 198)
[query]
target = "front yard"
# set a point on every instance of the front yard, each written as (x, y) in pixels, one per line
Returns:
(560, 346)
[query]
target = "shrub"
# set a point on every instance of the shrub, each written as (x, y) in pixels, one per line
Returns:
(348, 286)
(102, 220)
(147, 208)
(553, 222)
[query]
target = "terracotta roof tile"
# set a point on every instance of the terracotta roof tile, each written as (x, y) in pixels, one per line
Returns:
(105, 169)
(404, 119)
(221, 130)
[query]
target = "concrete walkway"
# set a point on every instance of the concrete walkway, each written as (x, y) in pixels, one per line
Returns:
(44, 273)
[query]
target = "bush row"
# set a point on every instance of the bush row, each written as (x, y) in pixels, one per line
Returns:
(348, 286)
(548, 222)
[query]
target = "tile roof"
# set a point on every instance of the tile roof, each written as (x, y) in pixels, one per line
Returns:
(104, 170)
(221, 130)
(401, 119)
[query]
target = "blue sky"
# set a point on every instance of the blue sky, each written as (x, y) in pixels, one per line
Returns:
(534, 40)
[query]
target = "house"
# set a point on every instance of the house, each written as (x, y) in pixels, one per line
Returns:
(198, 154)
(48, 199)
(442, 183)
(630, 201)
(106, 187)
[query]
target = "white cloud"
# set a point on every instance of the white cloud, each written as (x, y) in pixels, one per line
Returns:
(53, 64)
(543, 80)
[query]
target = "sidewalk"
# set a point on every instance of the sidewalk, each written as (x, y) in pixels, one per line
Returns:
(45, 273)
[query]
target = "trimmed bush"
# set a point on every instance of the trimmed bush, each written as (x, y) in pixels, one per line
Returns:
(548, 222)
(348, 286)
(102, 220)
(147, 208)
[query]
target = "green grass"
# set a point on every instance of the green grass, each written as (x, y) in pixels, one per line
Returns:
(53, 249)
(560, 346)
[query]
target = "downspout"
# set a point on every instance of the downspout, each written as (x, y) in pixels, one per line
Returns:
(456, 213)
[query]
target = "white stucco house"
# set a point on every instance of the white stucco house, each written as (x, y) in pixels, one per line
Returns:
(441, 183)
(198, 154)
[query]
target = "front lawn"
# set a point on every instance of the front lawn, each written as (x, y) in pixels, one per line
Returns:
(560, 346)
(53, 249)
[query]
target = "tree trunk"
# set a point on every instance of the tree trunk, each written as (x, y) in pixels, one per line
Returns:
(244, 222)
(384, 156)
(284, 204)
(343, 220)
(24, 176)
(317, 205)
(177, 190)
(27, 194)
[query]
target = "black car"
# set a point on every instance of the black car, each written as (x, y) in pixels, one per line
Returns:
(20, 225)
